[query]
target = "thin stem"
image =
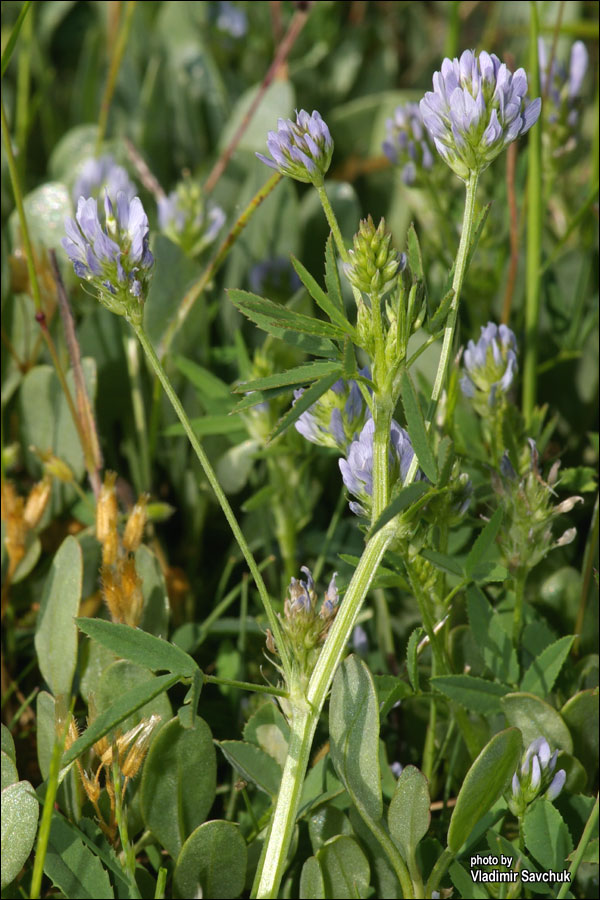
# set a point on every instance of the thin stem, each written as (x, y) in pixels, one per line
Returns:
(519, 583)
(438, 871)
(333, 222)
(215, 264)
(121, 819)
(587, 835)
(586, 575)
(534, 232)
(246, 686)
(381, 453)
(139, 415)
(218, 490)
(113, 71)
(296, 26)
(23, 83)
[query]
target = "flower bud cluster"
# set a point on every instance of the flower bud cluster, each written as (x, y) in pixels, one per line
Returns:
(562, 88)
(477, 107)
(409, 144)
(536, 777)
(304, 628)
(374, 265)
(525, 536)
(187, 219)
(300, 149)
(114, 259)
(102, 175)
(121, 584)
(357, 468)
(337, 417)
(490, 366)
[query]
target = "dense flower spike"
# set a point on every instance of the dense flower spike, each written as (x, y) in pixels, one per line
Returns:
(116, 259)
(535, 776)
(408, 143)
(374, 265)
(187, 220)
(357, 469)
(302, 150)
(477, 107)
(490, 366)
(529, 508)
(562, 88)
(100, 176)
(337, 417)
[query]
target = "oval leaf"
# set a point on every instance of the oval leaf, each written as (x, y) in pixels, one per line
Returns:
(20, 810)
(546, 835)
(253, 764)
(346, 870)
(139, 647)
(312, 885)
(409, 815)
(179, 782)
(212, 862)
(484, 783)
(535, 718)
(354, 735)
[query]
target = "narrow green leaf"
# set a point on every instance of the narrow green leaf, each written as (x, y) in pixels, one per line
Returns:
(310, 396)
(475, 694)
(415, 257)
(12, 40)
(485, 540)
(206, 383)
(253, 764)
(480, 220)
(256, 397)
(406, 497)
(464, 884)
(56, 632)
(445, 460)
(484, 783)
(309, 343)
(491, 638)
(436, 321)
(178, 782)
(138, 646)
(203, 425)
(121, 709)
(72, 867)
(412, 661)
(544, 670)
(535, 718)
(332, 277)
(580, 713)
(346, 870)
(443, 561)
(354, 735)
(299, 375)
(546, 835)
(20, 811)
(215, 858)
(390, 690)
(408, 815)
(312, 886)
(281, 316)
(415, 424)
(321, 298)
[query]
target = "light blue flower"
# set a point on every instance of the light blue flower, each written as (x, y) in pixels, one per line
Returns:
(490, 365)
(98, 176)
(114, 259)
(300, 149)
(536, 777)
(562, 86)
(186, 218)
(337, 417)
(231, 19)
(477, 107)
(408, 143)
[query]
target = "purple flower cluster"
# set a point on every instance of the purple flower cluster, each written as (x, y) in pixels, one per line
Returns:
(184, 217)
(116, 259)
(536, 775)
(562, 88)
(357, 469)
(408, 143)
(490, 364)
(102, 175)
(337, 417)
(300, 149)
(477, 107)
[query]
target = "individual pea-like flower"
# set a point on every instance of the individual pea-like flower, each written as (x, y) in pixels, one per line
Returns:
(304, 627)
(300, 149)
(562, 88)
(408, 143)
(186, 218)
(528, 503)
(477, 107)
(490, 366)
(98, 176)
(536, 777)
(115, 259)
(337, 417)
(357, 468)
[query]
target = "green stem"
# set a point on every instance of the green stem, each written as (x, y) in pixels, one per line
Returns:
(121, 819)
(215, 264)
(591, 550)
(333, 222)
(534, 231)
(438, 871)
(113, 71)
(245, 685)
(23, 83)
(139, 416)
(218, 490)
(588, 833)
(519, 582)
(306, 716)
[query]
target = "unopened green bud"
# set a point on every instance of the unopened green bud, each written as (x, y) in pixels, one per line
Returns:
(373, 266)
